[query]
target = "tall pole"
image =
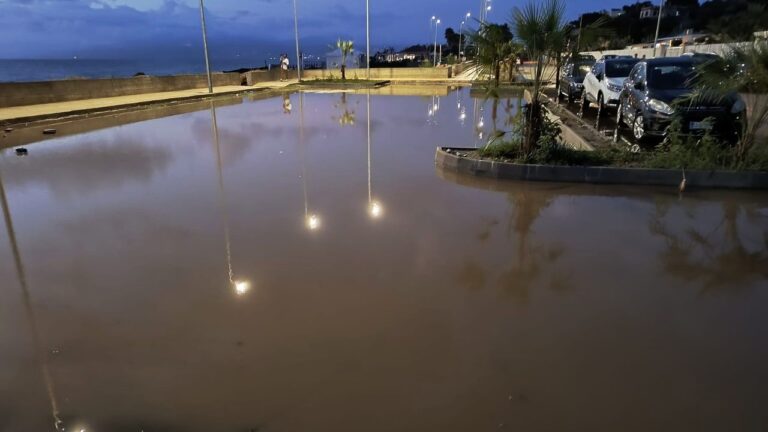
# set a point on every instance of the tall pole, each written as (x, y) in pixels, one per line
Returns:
(461, 30)
(434, 54)
(658, 25)
(578, 40)
(205, 47)
(367, 40)
(296, 32)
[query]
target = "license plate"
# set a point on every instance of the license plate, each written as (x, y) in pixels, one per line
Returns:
(700, 125)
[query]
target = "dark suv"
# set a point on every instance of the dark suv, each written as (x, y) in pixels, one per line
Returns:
(647, 102)
(572, 79)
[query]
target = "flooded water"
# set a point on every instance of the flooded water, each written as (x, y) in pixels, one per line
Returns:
(273, 271)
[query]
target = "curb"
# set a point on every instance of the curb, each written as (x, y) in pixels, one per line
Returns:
(451, 159)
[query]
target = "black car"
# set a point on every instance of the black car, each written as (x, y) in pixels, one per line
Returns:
(572, 78)
(647, 102)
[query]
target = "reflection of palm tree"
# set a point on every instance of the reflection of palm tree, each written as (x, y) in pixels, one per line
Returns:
(527, 207)
(717, 263)
(347, 117)
(30, 312)
(533, 261)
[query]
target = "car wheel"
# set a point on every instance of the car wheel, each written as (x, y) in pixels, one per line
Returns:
(638, 128)
(600, 108)
(584, 104)
(619, 126)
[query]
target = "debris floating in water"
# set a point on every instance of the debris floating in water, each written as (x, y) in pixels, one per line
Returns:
(21, 151)
(49, 131)
(9, 129)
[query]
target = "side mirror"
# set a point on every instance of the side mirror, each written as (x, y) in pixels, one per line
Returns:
(600, 76)
(640, 86)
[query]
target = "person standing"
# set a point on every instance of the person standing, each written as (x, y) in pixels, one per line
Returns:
(284, 64)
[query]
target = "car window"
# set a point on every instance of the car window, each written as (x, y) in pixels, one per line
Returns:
(580, 71)
(620, 68)
(671, 76)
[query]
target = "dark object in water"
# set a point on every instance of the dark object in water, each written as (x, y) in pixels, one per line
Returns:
(9, 129)
(49, 131)
(21, 151)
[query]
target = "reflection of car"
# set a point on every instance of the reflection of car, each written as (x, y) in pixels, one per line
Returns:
(604, 82)
(571, 82)
(647, 101)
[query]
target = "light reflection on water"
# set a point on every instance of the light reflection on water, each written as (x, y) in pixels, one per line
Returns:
(256, 267)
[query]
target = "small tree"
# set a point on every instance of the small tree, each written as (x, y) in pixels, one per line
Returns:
(346, 48)
(542, 31)
(494, 48)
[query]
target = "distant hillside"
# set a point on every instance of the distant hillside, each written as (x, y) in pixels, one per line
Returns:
(726, 20)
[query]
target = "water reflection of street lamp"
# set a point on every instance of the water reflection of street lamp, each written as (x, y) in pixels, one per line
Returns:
(375, 210)
(311, 220)
(240, 287)
(30, 312)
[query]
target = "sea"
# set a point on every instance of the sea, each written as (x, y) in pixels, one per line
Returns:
(48, 70)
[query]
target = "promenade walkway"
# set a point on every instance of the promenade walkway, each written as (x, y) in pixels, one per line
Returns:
(29, 113)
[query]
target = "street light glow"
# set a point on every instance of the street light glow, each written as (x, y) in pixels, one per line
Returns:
(242, 287)
(375, 209)
(313, 222)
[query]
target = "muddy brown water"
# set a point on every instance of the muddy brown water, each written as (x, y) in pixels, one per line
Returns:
(416, 301)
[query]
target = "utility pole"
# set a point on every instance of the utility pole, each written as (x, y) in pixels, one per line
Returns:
(578, 40)
(658, 25)
(296, 31)
(205, 47)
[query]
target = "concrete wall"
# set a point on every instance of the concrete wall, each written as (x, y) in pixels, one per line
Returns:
(258, 76)
(664, 51)
(382, 73)
(31, 93)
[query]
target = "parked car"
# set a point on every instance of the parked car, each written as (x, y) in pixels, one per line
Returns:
(572, 79)
(604, 82)
(647, 102)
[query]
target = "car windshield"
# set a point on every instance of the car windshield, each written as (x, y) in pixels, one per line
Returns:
(619, 69)
(581, 70)
(674, 76)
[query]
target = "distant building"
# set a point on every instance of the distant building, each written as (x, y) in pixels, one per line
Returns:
(669, 11)
(613, 13)
(649, 12)
(333, 60)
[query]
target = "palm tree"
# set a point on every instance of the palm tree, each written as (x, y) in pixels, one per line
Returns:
(495, 48)
(346, 48)
(542, 31)
(744, 69)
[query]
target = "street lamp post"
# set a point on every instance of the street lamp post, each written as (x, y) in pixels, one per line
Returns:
(461, 32)
(658, 25)
(296, 32)
(367, 40)
(434, 54)
(205, 47)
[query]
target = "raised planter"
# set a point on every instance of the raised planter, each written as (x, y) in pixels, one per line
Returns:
(457, 160)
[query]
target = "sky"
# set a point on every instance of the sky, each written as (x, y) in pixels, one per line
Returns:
(253, 29)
